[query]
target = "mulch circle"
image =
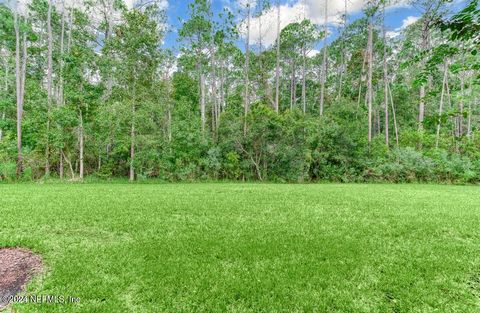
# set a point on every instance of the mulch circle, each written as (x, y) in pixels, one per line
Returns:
(17, 267)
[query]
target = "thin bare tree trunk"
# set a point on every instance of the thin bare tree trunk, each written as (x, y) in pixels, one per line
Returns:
(425, 38)
(293, 86)
(344, 53)
(469, 121)
(222, 84)
(49, 85)
(108, 32)
(324, 63)
(304, 69)
(461, 103)
(385, 79)
(395, 125)
(62, 41)
(6, 92)
(72, 172)
(247, 70)
(442, 97)
(202, 101)
(370, 78)
(132, 146)
(364, 64)
(304, 81)
(81, 144)
(215, 113)
(19, 74)
(61, 97)
(277, 69)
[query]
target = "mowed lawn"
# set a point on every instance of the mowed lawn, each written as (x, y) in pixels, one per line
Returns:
(249, 247)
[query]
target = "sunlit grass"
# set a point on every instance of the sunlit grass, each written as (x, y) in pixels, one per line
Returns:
(249, 247)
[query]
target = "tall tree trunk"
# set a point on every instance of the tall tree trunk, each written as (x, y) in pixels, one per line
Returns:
(49, 85)
(61, 97)
(215, 113)
(304, 81)
(461, 103)
(324, 63)
(425, 39)
(202, 101)
(131, 175)
(108, 32)
(385, 79)
(360, 79)
(81, 143)
(442, 98)
(370, 78)
(344, 53)
(19, 75)
(277, 68)
(247, 70)
(395, 125)
(222, 84)
(304, 68)
(6, 92)
(470, 107)
(293, 86)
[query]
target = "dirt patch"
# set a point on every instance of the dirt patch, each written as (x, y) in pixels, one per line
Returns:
(17, 267)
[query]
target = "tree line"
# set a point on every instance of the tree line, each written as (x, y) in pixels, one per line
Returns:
(89, 89)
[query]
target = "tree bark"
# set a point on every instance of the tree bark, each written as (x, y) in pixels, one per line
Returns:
(324, 63)
(49, 85)
(304, 68)
(395, 125)
(344, 53)
(131, 175)
(385, 79)
(277, 68)
(81, 144)
(461, 103)
(19, 74)
(442, 98)
(470, 107)
(425, 39)
(202, 101)
(6, 92)
(247, 70)
(370, 78)
(304, 81)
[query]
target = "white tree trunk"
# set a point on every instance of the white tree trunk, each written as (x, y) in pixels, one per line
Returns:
(6, 92)
(247, 69)
(81, 144)
(421, 108)
(442, 98)
(131, 175)
(49, 84)
(277, 68)
(370, 79)
(395, 125)
(324, 62)
(202, 101)
(19, 90)
(385, 80)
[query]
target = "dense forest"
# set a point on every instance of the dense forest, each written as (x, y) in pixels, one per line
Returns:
(88, 90)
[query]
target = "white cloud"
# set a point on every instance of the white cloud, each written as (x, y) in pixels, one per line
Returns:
(409, 21)
(392, 34)
(296, 10)
(313, 53)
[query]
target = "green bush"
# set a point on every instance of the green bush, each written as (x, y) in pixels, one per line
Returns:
(8, 171)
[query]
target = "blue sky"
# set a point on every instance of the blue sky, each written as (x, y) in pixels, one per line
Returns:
(398, 16)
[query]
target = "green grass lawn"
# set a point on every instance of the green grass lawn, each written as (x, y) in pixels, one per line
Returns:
(249, 247)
